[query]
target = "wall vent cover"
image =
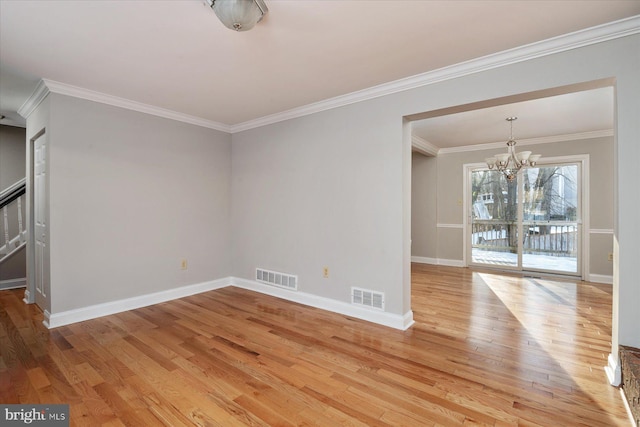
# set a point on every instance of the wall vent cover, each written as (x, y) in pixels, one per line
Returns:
(367, 298)
(275, 278)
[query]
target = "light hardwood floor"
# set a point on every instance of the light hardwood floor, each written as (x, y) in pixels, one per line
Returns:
(486, 349)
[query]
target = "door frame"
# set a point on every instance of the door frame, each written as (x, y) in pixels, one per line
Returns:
(583, 224)
(30, 292)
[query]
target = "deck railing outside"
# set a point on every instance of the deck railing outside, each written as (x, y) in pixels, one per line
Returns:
(557, 238)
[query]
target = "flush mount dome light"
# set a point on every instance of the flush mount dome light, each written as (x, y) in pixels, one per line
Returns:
(239, 15)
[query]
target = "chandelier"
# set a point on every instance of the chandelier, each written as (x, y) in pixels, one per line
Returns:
(239, 15)
(510, 163)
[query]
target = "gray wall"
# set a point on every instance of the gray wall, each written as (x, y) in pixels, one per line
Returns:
(322, 191)
(449, 184)
(12, 155)
(12, 169)
(424, 186)
(331, 188)
(130, 195)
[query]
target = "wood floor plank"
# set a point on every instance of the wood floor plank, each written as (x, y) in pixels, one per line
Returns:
(487, 349)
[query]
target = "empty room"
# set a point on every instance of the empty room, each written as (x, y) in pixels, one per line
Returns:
(247, 212)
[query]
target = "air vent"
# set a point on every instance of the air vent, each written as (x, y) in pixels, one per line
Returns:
(367, 298)
(282, 280)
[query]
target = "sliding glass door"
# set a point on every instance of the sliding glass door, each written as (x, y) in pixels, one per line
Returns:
(531, 223)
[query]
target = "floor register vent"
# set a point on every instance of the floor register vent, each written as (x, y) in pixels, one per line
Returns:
(281, 280)
(367, 298)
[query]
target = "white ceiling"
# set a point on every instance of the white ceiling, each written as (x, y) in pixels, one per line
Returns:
(176, 55)
(567, 114)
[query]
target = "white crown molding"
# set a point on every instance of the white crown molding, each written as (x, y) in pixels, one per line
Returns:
(589, 36)
(380, 317)
(39, 94)
(530, 141)
(586, 37)
(45, 86)
(423, 146)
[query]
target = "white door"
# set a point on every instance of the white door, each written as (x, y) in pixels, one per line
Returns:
(40, 212)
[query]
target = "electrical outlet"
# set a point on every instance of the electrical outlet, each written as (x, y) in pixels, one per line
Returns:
(325, 272)
(610, 256)
(183, 264)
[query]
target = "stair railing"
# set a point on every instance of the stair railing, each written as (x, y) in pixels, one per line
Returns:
(9, 197)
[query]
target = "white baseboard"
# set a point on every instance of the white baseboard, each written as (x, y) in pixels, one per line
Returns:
(380, 317)
(451, 262)
(627, 407)
(424, 260)
(402, 322)
(13, 283)
(601, 278)
(438, 261)
(98, 310)
(613, 370)
(27, 297)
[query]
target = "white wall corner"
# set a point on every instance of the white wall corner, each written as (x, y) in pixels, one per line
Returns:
(54, 320)
(396, 321)
(613, 370)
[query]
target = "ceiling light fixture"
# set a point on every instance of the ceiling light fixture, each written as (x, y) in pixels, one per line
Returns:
(511, 162)
(239, 15)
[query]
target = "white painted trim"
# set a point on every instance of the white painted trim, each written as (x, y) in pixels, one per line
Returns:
(27, 297)
(613, 370)
(583, 160)
(375, 316)
(423, 146)
(424, 260)
(625, 400)
(451, 262)
(13, 283)
(39, 94)
(600, 278)
(450, 225)
(601, 231)
(47, 319)
(46, 86)
(438, 261)
(530, 141)
(609, 31)
(98, 310)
